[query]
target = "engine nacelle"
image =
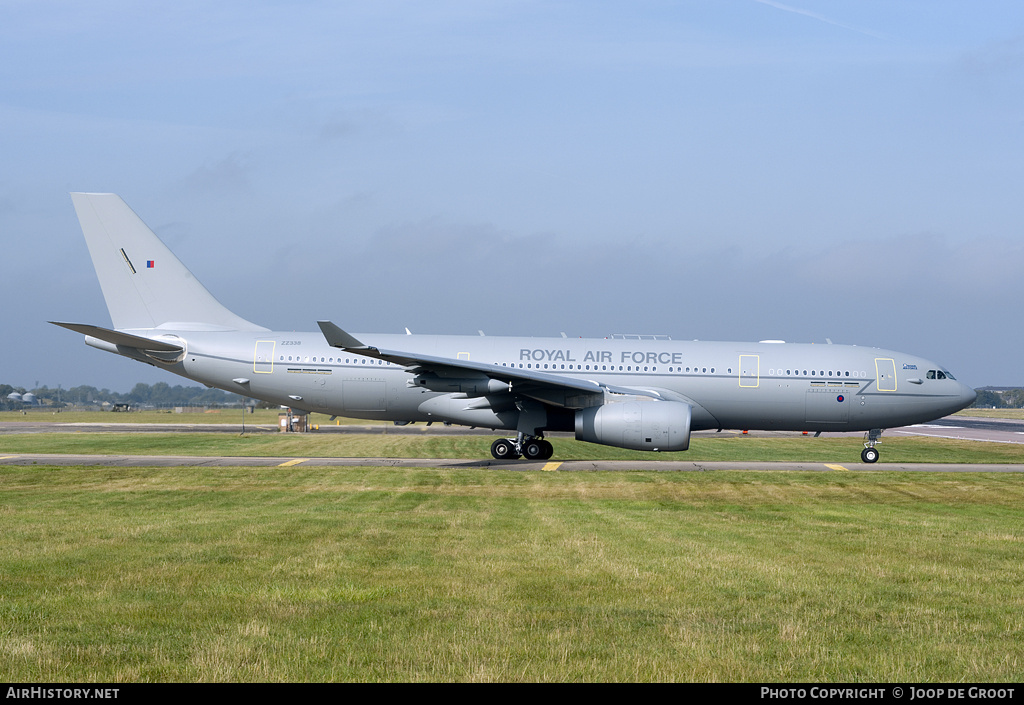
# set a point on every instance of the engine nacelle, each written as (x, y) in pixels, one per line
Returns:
(637, 425)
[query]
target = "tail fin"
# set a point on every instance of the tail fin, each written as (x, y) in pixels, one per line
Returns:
(144, 284)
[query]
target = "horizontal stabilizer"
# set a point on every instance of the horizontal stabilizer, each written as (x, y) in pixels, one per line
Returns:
(123, 339)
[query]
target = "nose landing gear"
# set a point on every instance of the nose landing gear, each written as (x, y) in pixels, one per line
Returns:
(870, 453)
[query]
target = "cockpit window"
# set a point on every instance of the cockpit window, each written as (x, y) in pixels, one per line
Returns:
(939, 374)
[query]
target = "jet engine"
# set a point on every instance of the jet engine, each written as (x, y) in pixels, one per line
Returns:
(638, 425)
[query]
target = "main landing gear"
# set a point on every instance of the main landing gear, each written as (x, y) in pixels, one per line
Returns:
(521, 447)
(870, 453)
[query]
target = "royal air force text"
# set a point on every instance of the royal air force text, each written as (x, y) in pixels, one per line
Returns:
(605, 356)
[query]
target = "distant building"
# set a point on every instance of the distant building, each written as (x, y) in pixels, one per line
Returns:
(26, 398)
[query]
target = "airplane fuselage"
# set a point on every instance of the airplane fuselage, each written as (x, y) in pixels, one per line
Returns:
(766, 386)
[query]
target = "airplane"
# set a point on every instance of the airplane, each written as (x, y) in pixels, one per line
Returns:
(638, 392)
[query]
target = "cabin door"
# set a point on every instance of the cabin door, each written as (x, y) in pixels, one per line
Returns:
(263, 357)
(886, 371)
(750, 370)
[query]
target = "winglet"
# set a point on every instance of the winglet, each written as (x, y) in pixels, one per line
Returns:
(337, 338)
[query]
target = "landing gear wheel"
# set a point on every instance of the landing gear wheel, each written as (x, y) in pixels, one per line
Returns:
(534, 449)
(869, 455)
(504, 449)
(549, 450)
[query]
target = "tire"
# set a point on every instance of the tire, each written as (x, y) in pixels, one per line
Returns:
(869, 455)
(533, 450)
(504, 449)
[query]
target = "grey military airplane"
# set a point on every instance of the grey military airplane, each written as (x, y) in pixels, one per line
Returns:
(638, 392)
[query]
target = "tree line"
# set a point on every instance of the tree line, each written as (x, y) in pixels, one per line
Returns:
(1006, 399)
(160, 394)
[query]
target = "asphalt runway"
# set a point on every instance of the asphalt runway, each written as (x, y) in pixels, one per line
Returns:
(957, 427)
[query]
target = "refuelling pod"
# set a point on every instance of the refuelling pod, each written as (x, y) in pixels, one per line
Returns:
(471, 386)
(637, 425)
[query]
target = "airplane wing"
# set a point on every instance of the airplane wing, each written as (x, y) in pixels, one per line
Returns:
(560, 390)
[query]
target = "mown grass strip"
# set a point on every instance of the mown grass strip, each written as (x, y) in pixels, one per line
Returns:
(315, 574)
(264, 417)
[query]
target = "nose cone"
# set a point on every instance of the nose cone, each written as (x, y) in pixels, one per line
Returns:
(967, 396)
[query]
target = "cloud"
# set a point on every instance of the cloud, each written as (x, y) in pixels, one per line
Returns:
(1001, 57)
(229, 176)
(343, 124)
(816, 16)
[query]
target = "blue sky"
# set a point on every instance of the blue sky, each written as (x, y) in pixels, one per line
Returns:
(734, 170)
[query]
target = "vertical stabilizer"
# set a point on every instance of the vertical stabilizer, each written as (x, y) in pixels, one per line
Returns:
(144, 284)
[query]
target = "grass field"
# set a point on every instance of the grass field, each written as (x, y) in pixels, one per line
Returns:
(358, 574)
(993, 413)
(214, 416)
